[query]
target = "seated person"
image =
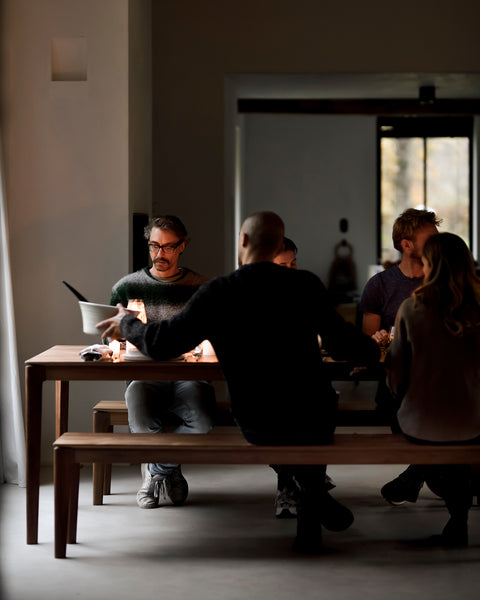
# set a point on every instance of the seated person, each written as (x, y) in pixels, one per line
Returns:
(382, 296)
(165, 289)
(279, 398)
(286, 495)
(433, 370)
(287, 257)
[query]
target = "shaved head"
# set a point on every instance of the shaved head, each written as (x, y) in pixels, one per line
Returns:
(261, 237)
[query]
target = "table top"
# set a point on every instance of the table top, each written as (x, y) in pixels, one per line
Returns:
(70, 355)
(63, 362)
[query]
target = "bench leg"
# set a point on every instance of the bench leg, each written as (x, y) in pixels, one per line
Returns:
(73, 504)
(107, 479)
(64, 473)
(102, 474)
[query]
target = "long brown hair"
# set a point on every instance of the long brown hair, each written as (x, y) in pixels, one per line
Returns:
(452, 286)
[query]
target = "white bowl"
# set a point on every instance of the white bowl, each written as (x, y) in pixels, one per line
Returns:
(94, 313)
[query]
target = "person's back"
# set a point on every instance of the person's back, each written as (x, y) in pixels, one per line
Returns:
(433, 370)
(439, 367)
(263, 322)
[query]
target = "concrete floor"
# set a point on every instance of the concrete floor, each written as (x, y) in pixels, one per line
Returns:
(225, 544)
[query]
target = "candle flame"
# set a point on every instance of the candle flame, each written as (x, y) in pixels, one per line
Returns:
(114, 345)
(140, 306)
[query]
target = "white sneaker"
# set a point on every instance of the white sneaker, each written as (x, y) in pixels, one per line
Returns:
(153, 488)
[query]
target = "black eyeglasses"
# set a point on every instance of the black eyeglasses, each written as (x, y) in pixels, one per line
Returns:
(167, 248)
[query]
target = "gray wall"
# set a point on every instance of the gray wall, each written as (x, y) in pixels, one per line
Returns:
(314, 170)
(67, 157)
(198, 46)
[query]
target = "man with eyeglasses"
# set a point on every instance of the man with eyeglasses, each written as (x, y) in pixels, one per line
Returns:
(165, 289)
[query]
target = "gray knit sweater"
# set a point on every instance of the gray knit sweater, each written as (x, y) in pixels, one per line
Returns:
(162, 299)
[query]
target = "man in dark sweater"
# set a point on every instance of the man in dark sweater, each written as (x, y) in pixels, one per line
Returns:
(263, 321)
(165, 289)
(379, 304)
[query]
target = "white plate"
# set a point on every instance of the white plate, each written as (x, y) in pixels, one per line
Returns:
(135, 355)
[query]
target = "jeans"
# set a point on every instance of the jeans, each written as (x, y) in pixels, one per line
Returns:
(154, 406)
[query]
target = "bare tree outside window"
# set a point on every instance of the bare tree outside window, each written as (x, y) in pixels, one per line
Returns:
(423, 171)
(448, 191)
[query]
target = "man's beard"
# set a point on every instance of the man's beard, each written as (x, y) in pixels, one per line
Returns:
(161, 264)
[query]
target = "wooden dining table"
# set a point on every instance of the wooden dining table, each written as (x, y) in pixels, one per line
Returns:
(63, 364)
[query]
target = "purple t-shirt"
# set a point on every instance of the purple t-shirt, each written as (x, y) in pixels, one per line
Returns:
(384, 293)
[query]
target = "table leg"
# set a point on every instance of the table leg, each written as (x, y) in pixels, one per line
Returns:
(34, 378)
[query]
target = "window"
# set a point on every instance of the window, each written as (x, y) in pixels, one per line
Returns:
(424, 162)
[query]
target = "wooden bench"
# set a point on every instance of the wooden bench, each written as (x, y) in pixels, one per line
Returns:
(108, 414)
(225, 447)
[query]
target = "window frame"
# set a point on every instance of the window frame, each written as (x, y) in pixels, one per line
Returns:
(424, 127)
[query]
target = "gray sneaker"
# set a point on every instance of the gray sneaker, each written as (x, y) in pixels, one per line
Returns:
(286, 504)
(153, 488)
(176, 487)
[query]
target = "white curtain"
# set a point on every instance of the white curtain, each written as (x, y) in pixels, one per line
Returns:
(12, 437)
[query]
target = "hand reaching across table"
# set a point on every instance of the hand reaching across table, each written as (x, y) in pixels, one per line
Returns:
(110, 328)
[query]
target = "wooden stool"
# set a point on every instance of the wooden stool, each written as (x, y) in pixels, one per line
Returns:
(106, 414)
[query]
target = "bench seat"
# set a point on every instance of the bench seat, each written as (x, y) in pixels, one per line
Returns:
(230, 447)
(224, 446)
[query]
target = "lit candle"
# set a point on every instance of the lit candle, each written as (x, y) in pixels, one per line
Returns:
(114, 345)
(139, 305)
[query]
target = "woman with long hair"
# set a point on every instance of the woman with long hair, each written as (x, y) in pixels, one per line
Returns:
(433, 368)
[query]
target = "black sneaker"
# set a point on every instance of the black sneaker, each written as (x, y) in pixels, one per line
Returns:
(308, 544)
(309, 529)
(404, 488)
(329, 483)
(333, 515)
(454, 535)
